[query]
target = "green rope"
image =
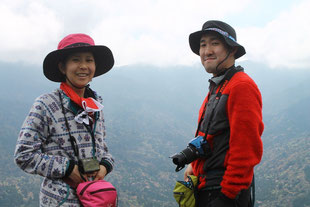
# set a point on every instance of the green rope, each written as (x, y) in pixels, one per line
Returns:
(66, 198)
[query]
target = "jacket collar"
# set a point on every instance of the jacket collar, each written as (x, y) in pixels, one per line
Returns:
(65, 100)
(70, 105)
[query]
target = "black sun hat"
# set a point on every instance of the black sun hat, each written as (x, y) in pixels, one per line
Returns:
(77, 43)
(225, 30)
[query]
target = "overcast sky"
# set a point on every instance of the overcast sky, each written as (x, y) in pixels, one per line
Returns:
(156, 32)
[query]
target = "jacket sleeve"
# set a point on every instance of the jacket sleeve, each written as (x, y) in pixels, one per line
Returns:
(106, 159)
(30, 155)
(244, 109)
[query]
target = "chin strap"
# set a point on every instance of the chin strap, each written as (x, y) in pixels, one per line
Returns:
(216, 69)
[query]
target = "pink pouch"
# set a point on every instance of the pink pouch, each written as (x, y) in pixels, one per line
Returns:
(98, 193)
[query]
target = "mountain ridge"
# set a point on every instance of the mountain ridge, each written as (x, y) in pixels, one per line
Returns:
(152, 113)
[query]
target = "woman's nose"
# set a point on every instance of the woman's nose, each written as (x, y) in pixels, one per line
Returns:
(83, 65)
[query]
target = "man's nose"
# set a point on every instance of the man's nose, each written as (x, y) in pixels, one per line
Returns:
(207, 50)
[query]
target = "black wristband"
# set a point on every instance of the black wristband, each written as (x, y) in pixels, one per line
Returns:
(107, 165)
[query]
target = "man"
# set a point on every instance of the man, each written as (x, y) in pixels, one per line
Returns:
(230, 119)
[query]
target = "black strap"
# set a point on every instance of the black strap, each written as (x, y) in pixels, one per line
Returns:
(71, 138)
(92, 133)
(252, 192)
(223, 84)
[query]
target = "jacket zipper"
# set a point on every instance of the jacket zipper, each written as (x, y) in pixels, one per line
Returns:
(179, 193)
(85, 187)
(102, 190)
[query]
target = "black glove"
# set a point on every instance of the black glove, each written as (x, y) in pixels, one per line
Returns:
(222, 201)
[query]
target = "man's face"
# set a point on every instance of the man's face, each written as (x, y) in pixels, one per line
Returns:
(212, 52)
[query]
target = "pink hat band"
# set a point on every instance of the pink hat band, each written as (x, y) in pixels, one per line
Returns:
(75, 40)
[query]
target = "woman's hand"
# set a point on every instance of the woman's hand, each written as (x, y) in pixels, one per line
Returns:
(188, 171)
(74, 178)
(101, 173)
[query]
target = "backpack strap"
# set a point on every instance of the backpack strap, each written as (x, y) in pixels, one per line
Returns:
(223, 84)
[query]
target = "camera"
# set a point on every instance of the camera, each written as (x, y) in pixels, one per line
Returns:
(88, 165)
(197, 147)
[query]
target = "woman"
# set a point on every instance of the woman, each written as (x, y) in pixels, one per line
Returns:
(62, 138)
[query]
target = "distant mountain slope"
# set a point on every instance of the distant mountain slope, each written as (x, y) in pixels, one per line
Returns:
(283, 175)
(150, 114)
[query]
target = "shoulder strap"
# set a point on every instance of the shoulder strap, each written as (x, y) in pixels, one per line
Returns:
(226, 79)
(223, 84)
(71, 138)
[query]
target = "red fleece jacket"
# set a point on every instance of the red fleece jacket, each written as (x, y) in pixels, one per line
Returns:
(244, 112)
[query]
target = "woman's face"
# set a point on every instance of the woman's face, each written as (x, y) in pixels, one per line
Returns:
(79, 68)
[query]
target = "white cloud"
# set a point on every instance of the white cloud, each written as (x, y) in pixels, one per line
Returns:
(157, 32)
(27, 28)
(282, 43)
(150, 31)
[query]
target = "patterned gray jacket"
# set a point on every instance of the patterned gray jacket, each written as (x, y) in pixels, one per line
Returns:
(43, 146)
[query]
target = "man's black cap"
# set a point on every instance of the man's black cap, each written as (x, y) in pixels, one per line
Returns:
(225, 30)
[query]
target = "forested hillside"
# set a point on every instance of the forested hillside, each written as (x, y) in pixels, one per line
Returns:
(150, 114)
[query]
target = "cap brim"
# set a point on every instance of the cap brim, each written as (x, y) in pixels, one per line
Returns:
(194, 42)
(103, 57)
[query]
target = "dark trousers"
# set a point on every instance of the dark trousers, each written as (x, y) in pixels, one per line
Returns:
(204, 197)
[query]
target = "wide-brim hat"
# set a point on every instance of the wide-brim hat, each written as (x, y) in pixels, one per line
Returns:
(77, 43)
(225, 30)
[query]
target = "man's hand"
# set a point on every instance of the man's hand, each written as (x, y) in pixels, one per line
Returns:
(188, 171)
